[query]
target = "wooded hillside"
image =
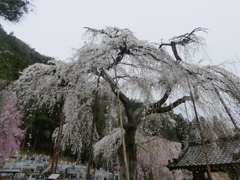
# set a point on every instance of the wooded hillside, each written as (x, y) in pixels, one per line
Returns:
(15, 55)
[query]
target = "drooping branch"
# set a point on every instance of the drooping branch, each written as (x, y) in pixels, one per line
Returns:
(183, 40)
(126, 102)
(113, 86)
(233, 92)
(151, 53)
(112, 34)
(226, 108)
(232, 87)
(189, 37)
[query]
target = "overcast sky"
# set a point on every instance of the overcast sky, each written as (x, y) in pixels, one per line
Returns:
(57, 26)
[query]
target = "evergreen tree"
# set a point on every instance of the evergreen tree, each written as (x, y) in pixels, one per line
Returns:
(14, 10)
(16, 55)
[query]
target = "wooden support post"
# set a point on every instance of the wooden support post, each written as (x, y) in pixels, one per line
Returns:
(201, 135)
(57, 145)
(122, 132)
(95, 106)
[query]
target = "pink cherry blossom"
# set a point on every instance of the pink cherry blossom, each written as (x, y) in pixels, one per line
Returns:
(10, 134)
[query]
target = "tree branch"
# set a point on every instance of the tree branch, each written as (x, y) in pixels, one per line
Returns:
(174, 49)
(112, 34)
(123, 50)
(173, 105)
(188, 37)
(183, 40)
(169, 107)
(159, 103)
(164, 44)
(126, 102)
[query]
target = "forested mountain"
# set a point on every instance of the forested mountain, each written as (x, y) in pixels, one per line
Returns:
(15, 55)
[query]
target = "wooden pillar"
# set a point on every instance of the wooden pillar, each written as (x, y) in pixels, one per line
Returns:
(94, 121)
(201, 135)
(57, 146)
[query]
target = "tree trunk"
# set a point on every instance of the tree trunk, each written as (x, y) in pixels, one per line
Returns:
(130, 133)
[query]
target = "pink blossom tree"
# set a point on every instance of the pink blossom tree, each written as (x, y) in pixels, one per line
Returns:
(153, 154)
(10, 115)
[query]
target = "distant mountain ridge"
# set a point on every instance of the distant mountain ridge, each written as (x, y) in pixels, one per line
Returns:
(16, 55)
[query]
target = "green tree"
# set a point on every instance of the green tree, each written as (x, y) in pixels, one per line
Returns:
(173, 127)
(15, 55)
(14, 10)
(41, 123)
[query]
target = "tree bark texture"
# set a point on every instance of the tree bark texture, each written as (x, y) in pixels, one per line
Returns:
(133, 120)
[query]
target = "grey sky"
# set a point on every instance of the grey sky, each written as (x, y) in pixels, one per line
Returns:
(56, 26)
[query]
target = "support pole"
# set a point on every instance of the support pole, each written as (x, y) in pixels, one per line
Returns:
(201, 135)
(122, 133)
(57, 146)
(95, 106)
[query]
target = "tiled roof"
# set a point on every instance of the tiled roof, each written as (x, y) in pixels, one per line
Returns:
(226, 152)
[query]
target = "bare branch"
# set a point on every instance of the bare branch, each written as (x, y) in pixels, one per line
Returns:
(173, 105)
(164, 44)
(174, 49)
(183, 40)
(112, 34)
(188, 37)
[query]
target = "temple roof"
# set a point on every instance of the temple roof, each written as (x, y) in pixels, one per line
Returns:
(222, 153)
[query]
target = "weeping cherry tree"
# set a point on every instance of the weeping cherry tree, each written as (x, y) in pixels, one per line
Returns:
(129, 68)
